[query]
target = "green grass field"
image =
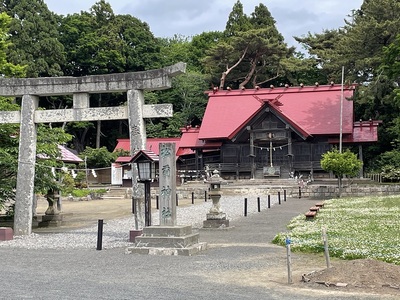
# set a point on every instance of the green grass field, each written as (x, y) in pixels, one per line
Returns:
(367, 227)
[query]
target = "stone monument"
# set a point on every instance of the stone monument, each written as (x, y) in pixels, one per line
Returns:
(168, 238)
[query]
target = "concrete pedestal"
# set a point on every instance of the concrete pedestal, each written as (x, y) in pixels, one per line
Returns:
(216, 221)
(167, 240)
(6, 233)
(52, 220)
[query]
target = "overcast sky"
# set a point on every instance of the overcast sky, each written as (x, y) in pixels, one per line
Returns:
(190, 17)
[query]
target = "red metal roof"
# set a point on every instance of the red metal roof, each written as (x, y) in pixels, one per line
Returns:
(312, 110)
(224, 115)
(190, 140)
(152, 144)
(67, 156)
(363, 132)
(123, 159)
(123, 144)
(150, 155)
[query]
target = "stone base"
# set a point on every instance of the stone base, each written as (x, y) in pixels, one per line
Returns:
(35, 222)
(133, 234)
(216, 221)
(6, 233)
(167, 240)
(51, 220)
(216, 216)
(217, 224)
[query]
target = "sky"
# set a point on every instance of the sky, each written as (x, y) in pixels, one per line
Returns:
(191, 17)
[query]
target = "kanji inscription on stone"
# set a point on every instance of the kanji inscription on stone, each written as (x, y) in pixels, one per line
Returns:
(167, 181)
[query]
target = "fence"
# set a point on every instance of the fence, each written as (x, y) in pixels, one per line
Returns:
(377, 177)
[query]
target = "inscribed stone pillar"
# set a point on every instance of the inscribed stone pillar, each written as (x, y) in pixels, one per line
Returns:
(167, 178)
(137, 136)
(137, 127)
(26, 167)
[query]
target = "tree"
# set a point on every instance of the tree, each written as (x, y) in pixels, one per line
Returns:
(198, 47)
(391, 62)
(49, 157)
(34, 36)
(48, 153)
(98, 158)
(340, 164)
(47, 138)
(360, 46)
(322, 48)
(251, 52)
(7, 69)
(189, 102)
(101, 42)
(8, 132)
(238, 21)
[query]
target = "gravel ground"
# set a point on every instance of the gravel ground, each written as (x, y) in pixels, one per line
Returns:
(115, 232)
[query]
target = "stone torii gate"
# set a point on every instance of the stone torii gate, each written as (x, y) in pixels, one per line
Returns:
(80, 87)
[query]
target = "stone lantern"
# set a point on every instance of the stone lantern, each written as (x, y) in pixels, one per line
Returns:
(215, 218)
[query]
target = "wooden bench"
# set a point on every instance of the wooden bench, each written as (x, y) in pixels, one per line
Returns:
(314, 208)
(310, 215)
(319, 204)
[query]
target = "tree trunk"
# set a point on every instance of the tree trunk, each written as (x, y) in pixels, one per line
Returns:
(225, 73)
(249, 74)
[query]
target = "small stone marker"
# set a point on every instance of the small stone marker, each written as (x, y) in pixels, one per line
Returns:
(6, 233)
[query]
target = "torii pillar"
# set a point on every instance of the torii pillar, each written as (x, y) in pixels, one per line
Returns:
(80, 87)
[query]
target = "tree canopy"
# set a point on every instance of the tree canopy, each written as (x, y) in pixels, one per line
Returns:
(34, 38)
(341, 164)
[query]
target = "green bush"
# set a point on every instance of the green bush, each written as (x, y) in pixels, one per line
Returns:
(98, 158)
(388, 158)
(80, 193)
